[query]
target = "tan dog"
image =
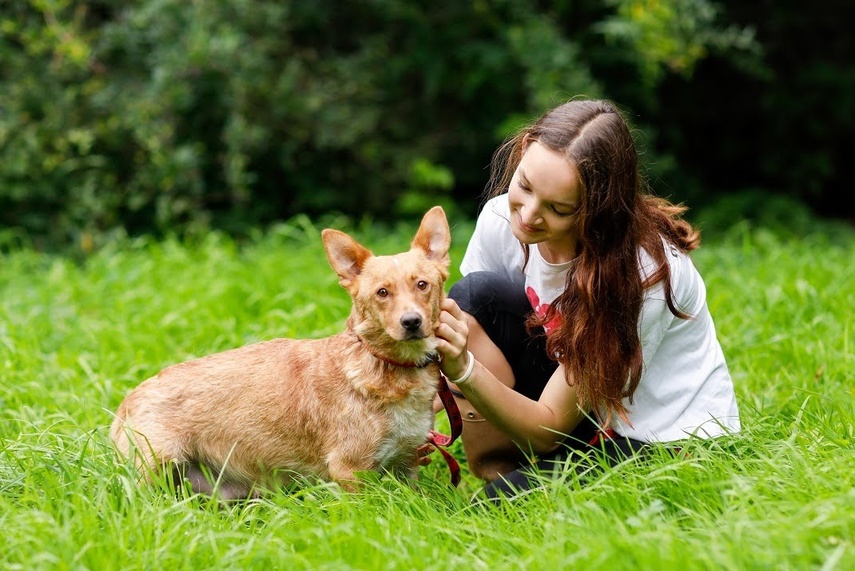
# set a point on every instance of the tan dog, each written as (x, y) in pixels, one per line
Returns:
(267, 413)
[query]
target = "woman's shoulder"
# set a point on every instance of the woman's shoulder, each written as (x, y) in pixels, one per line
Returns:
(494, 223)
(677, 259)
(686, 283)
(496, 210)
(493, 246)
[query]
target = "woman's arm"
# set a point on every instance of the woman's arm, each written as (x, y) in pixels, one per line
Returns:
(539, 426)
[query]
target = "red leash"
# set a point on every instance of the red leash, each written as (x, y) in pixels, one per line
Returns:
(456, 421)
(601, 436)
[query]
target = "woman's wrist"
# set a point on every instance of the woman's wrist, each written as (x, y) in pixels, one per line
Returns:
(467, 374)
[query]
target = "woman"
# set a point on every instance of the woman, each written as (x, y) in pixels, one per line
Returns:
(580, 322)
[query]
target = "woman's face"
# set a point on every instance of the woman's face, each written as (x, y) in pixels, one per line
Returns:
(544, 196)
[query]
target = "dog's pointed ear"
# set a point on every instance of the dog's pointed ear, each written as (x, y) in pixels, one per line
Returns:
(434, 236)
(346, 256)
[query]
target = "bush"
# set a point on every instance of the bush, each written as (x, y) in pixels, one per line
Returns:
(167, 115)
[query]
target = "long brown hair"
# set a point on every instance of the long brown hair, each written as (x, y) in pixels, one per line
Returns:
(597, 340)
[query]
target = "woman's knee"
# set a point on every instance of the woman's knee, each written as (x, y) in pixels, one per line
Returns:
(510, 485)
(473, 291)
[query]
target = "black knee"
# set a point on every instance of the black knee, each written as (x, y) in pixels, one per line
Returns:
(510, 485)
(481, 294)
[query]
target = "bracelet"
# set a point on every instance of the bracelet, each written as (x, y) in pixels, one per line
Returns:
(469, 368)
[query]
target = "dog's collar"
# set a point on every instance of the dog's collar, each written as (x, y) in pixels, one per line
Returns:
(416, 365)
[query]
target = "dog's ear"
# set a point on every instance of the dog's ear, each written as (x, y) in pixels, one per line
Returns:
(345, 255)
(434, 236)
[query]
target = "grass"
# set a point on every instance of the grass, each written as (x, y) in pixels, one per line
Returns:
(77, 334)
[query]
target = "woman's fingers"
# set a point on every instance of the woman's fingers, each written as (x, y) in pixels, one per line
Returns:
(452, 339)
(423, 454)
(451, 307)
(454, 319)
(454, 336)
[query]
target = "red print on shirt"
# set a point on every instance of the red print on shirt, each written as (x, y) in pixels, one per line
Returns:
(540, 309)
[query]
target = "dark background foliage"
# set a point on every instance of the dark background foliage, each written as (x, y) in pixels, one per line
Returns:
(174, 116)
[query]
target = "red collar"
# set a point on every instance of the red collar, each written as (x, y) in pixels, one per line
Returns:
(392, 361)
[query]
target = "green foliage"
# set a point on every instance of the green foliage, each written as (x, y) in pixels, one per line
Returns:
(674, 35)
(76, 336)
(780, 120)
(165, 114)
(173, 116)
(430, 185)
(781, 215)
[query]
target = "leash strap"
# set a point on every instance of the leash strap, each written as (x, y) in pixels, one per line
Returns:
(601, 436)
(436, 438)
(455, 420)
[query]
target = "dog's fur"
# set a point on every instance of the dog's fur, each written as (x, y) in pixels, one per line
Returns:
(265, 414)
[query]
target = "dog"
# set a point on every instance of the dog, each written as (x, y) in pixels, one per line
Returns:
(285, 410)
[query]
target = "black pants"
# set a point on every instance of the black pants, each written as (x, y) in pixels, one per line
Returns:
(501, 309)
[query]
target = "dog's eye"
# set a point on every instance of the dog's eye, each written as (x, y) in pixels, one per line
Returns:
(382, 292)
(422, 285)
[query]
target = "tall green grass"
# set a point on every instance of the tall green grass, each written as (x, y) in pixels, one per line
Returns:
(77, 334)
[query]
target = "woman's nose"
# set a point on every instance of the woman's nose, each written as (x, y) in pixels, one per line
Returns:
(529, 213)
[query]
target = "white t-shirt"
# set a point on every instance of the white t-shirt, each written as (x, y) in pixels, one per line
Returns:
(685, 387)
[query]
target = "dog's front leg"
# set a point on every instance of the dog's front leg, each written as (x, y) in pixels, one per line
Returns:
(343, 471)
(409, 466)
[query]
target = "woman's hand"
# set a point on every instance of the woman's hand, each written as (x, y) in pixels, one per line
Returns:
(423, 453)
(453, 337)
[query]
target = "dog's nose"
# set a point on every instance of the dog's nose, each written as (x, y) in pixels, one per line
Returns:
(411, 321)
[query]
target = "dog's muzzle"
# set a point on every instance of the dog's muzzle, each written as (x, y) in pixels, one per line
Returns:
(412, 324)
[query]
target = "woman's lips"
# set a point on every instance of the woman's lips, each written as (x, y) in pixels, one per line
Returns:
(528, 229)
(525, 228)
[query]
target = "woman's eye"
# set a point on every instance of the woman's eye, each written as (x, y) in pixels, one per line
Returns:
(422, 285)
(382, 292)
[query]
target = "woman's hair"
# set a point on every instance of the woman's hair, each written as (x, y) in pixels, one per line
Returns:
(597, 340)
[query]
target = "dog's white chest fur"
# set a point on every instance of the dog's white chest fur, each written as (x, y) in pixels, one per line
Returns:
(407, 430)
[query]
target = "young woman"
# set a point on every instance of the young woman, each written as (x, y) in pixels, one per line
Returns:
(580, 322)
